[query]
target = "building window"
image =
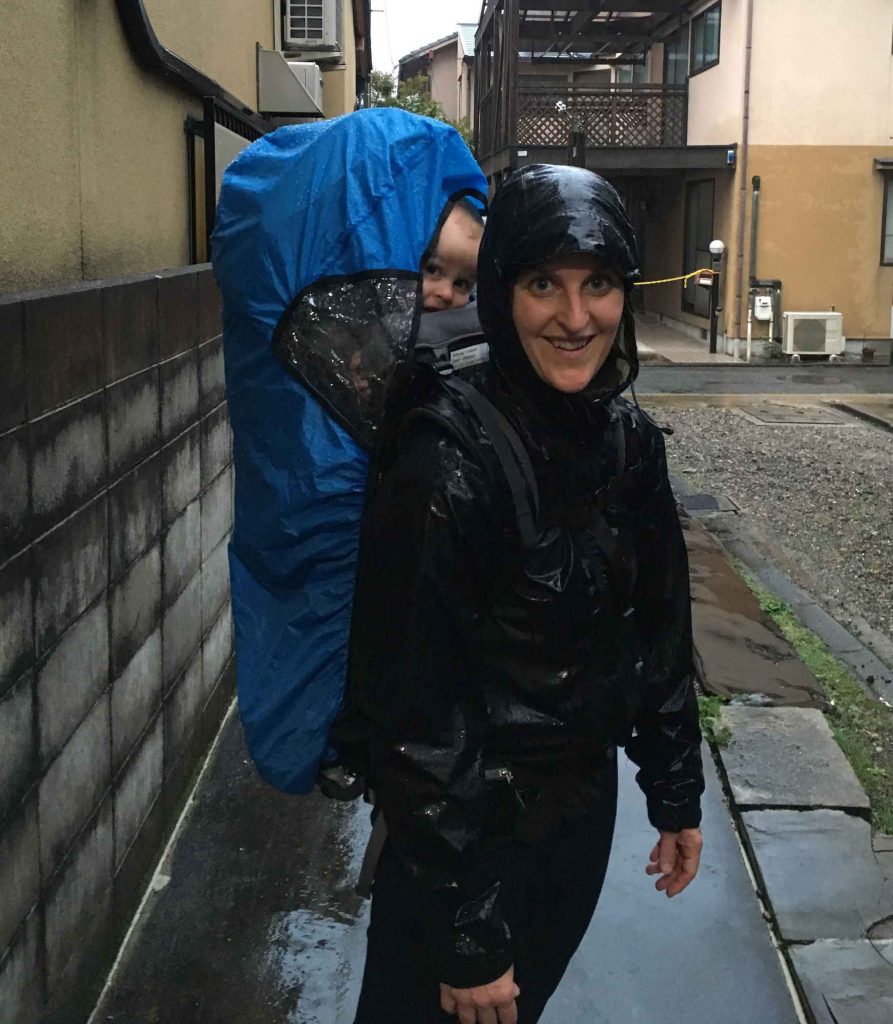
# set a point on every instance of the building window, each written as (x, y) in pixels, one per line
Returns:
(696, 244)
(887, 247)
(676, 57)
(705, 39)
(631, 74)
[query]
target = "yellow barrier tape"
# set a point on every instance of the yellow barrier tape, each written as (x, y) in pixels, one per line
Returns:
(670, 280)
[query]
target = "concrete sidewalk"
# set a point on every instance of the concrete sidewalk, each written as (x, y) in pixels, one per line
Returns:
(256, 921)
(799, 806)
(660, 343)
(702, 957)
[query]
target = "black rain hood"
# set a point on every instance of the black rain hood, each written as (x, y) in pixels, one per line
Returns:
(542, 212)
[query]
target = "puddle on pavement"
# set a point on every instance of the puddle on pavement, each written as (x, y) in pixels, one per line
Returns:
(813, 378)
(738, 650)
(313, 955)
(318, 962)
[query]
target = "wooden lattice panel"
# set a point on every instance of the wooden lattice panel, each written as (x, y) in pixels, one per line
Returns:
(646, 117)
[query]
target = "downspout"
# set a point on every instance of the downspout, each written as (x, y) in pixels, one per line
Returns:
(754, 227)
(755, 282)
(151, 55)
(743, 170)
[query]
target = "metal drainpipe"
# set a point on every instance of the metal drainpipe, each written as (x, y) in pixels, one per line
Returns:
(775, 325)
(150, 54)
(743, 170)
(754, 227)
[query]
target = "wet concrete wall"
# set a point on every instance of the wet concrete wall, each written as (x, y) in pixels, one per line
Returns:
(115, 627)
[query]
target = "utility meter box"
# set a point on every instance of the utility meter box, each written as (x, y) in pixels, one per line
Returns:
(762, 307)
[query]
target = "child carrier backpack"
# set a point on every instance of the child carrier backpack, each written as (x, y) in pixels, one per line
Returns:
(320, 235)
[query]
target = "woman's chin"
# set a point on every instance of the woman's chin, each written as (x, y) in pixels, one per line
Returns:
(570, 381)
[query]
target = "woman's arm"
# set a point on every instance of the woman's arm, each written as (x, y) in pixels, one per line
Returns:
(667, 741)
(429, 545)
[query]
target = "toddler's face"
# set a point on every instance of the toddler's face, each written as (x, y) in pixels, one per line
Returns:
(450, 273)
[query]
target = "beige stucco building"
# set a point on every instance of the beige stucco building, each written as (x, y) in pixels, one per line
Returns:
(815, 133)
(128, 104)
(724, 106)
(448, 65)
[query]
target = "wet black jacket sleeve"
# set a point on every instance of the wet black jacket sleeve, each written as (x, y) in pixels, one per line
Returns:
(426, 553)
(667, 741)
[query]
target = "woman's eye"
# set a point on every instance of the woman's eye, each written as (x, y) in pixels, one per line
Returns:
(601, 283)
(540, 284)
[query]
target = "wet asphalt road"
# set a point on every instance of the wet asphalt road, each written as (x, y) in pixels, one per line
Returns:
(805, 378)
(259, 924)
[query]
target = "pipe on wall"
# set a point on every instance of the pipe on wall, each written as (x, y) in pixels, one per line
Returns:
(775, 326)
(754, 226)
(743, 169)
(153, 56)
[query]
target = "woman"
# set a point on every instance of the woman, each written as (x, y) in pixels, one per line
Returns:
(501, 660)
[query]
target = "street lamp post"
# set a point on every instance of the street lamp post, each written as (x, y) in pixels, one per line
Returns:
(717, 250)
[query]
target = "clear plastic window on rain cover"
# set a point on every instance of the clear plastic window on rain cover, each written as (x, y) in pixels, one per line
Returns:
(343, 340)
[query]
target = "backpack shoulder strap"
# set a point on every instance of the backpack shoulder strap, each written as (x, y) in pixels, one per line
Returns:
(511, 454)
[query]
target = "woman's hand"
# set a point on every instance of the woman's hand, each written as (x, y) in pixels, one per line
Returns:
(676, 859)
(486, 1004)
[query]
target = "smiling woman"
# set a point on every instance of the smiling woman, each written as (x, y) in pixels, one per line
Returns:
(567, 313)
(522, 608)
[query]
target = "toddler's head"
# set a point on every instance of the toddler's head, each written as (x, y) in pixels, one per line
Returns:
(449, 272)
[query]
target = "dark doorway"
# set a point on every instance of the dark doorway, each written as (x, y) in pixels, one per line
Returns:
(696, 244)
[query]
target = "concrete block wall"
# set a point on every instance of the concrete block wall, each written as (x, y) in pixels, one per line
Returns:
(115, 627)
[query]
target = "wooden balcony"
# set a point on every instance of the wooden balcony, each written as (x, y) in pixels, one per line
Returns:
(609, 117)
(618, 115)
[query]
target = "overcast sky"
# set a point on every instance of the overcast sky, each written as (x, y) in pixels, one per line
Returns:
(404, 25)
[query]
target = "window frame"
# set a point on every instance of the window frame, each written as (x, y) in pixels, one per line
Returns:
(633, 70)
(684, 34)
(693, 68)
(887, 257)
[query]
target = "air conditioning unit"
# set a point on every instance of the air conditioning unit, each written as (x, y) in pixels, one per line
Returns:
(813, 334)
(310, 76)
(310, 26)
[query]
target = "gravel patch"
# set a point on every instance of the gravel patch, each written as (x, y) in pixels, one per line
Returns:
(821, 495)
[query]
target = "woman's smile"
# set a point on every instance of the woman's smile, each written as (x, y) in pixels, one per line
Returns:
(570, 345)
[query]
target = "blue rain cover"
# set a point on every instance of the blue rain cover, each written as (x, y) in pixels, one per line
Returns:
(321, 230)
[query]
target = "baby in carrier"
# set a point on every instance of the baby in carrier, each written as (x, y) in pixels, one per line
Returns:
(331, 242)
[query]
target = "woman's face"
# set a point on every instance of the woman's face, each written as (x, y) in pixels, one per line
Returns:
(567, 312)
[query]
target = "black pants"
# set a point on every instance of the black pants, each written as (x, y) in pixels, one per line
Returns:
(555, 884)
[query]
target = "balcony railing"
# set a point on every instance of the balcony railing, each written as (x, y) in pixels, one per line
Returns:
(640, 116)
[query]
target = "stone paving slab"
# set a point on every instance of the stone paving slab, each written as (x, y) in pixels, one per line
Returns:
(846, 982)
(707, 503)
(776, 413)
(878, 411)
(815, 618)
(787, 757)
(737, 648)
(820, 873)
(876, 673)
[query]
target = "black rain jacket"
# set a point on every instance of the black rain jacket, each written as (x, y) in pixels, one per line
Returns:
(498, 676)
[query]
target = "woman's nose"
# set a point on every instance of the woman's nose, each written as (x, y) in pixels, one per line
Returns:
(574, 315)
